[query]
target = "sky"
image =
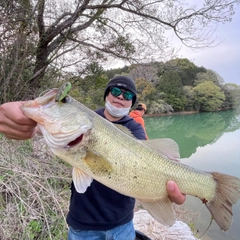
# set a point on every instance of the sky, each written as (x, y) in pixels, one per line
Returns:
(223, 58)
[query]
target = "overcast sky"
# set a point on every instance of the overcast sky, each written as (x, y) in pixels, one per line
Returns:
(225, 57)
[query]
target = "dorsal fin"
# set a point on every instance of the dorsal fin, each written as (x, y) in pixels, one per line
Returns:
(124, 129)
(165, 146)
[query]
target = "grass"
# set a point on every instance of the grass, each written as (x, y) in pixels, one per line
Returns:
(34, 191)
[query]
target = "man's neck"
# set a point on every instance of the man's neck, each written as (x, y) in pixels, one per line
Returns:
(110, 117)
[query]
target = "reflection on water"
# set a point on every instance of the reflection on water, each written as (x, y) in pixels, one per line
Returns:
(222, 156)
(207, 141)
(192, 131)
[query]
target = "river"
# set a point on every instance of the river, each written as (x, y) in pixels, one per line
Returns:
(210, 142)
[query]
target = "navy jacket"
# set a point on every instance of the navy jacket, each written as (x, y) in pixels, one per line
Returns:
(101, 208)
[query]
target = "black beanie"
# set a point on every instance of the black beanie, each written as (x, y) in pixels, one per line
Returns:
(122, 82)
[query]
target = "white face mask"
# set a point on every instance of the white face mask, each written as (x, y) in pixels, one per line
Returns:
(116, 112)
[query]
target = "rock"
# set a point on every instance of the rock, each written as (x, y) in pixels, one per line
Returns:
(146, 224)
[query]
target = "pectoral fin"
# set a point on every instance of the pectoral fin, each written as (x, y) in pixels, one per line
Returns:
(161, 210)
(81, 180)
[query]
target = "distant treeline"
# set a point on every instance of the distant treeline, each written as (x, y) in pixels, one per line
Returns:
(176, 85)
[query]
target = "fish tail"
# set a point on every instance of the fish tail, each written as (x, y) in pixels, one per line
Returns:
(227, 194)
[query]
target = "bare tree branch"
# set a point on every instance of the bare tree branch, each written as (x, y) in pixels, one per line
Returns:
(97, 30)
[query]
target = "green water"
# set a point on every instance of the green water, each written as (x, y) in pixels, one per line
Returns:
(210, 142)
(193, 131)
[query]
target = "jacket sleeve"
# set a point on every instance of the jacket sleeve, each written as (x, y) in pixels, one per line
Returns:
(138, 131)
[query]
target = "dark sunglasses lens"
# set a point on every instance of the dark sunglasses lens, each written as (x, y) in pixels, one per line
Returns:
(128, 96)
(116, 91)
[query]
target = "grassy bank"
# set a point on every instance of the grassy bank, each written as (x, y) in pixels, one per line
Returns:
(34, 191)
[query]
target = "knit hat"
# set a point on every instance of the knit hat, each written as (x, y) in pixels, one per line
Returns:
(122, 82)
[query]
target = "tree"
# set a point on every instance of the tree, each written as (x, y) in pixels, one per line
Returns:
(16, 49)
(232, 95)
(189, 95)
(209, 96)
(146, 91)
(185, 69)
(89, 90)
(146, 71)
(170, 83)
(116, 71)
(73, 33)
(208, 75)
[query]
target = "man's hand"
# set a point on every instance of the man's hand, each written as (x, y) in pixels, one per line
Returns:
(174, 193)
(14, 124)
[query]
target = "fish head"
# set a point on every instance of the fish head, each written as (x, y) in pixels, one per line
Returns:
(63, 124)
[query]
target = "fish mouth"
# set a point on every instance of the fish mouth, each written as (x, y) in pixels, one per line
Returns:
(75, 142)
(64, 140)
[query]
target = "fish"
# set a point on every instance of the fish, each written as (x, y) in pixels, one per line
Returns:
(109, 153)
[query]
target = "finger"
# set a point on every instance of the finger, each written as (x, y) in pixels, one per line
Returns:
(174, 193)
(20, 124)
(22, 120)
(20, 135)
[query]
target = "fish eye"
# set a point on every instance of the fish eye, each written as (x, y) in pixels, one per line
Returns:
(65, 99)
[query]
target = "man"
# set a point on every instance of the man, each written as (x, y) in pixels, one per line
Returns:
(137, 115)
(100, 212)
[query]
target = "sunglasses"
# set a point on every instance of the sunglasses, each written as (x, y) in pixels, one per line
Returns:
(127, 95)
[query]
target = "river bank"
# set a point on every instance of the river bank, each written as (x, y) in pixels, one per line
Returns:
(170, 113)
(181, 113)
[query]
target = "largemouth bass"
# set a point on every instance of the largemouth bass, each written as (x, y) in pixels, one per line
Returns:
(98, 149)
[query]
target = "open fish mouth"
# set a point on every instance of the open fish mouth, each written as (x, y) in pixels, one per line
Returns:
(63, 140)
(75, 142)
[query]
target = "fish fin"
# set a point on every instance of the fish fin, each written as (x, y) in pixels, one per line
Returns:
(166, 146)
(161, 210)
(81, 180)
(124, 129)
(227, 194)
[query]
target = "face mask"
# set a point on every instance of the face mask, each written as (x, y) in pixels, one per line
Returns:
(116, 112)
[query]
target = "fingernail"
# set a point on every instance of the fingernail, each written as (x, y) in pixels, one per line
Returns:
(170, 186)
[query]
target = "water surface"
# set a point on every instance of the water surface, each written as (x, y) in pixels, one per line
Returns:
(210, 142)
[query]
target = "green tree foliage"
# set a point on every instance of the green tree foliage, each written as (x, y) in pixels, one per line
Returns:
(189, 96)
(146, 91)
(160, 92)
(117, 71)
(89, 90)
(186, 70)
(232, 95)
(215, 78)
(177, 103)
(208, 75)
(170, 83)
(208, 96)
